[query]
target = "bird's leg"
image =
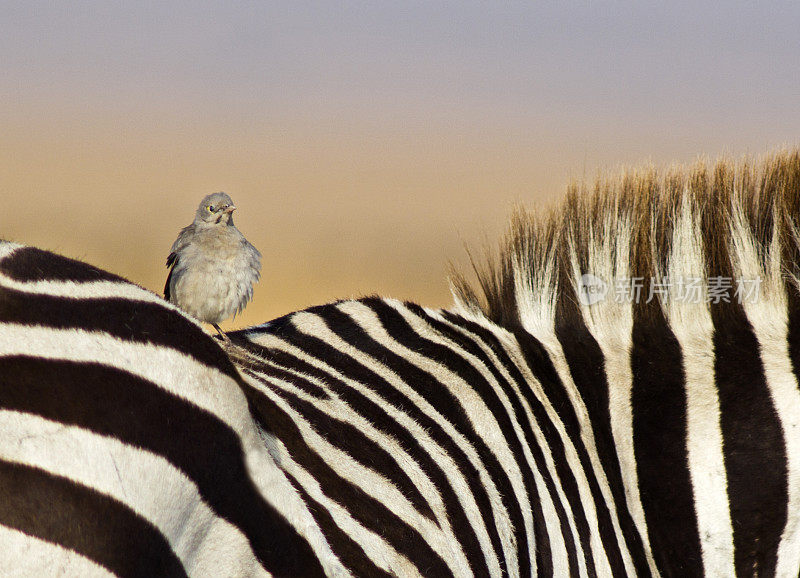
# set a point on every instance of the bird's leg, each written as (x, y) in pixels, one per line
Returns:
(222, 335)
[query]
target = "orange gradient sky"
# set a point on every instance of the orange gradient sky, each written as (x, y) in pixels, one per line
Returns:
(364, 143)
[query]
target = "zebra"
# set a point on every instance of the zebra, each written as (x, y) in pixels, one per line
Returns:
(536, 427)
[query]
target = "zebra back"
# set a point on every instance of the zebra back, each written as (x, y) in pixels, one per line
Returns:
(429, 443)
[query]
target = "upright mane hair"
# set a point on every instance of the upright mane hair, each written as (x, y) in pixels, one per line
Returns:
(730, 220)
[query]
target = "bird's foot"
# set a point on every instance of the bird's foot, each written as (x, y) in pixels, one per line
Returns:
(221, 333)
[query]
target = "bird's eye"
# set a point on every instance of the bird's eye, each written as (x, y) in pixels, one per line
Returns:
(210, 208)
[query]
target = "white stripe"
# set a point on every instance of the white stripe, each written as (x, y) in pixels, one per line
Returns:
(88, 290)
(704, 441)
(145, 482)
(692, 326)
(7, 249)
(783, 387)
(23, 556)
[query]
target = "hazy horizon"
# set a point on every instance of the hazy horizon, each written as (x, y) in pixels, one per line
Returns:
(363, 144)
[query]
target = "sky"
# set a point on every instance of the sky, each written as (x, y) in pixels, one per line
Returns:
(365, 143)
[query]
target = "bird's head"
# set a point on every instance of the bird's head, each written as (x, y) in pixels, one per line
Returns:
(215, 209)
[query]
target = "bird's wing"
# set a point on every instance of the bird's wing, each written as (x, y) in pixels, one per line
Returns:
(172, 260)
(183, 239)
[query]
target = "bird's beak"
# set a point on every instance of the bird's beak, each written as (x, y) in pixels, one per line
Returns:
(230, 208)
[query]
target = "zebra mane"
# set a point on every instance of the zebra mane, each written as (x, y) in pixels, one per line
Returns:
(728, 220)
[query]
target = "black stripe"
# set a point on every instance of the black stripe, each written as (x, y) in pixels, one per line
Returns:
(29, 264)
(369, 512)
(127, 319)
(587, 367)
(658, 400)
(273, 370)
(355, 444)
(112, 402)
(541, 366)
(755, 456)
(60, 511)
(384, 422)
(349, 552)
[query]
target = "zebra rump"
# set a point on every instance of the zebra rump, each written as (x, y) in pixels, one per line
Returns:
(126, 443)
(536, 428)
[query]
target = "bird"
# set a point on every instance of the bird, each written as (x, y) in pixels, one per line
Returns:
(212, 267)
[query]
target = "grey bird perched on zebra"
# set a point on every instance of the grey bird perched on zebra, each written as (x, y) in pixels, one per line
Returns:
(212, 266)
